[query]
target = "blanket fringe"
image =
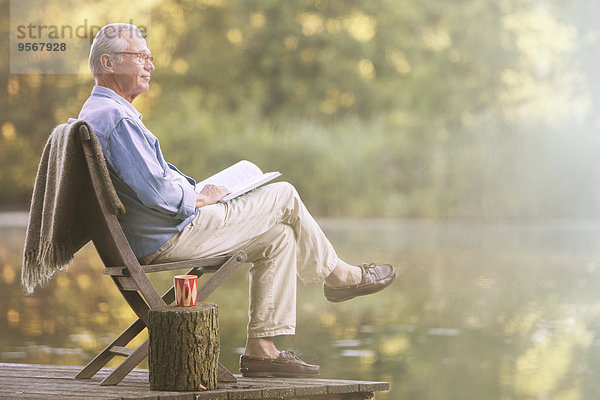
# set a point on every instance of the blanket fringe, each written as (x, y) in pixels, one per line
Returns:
(35, 273)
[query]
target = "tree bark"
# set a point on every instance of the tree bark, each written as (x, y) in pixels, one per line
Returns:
(184, 347)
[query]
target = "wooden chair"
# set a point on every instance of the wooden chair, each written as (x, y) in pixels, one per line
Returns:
(131, 280)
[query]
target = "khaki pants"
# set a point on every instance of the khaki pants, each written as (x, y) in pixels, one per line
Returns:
(281, 239)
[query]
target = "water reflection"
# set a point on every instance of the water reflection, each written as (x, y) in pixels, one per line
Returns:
(479, 310)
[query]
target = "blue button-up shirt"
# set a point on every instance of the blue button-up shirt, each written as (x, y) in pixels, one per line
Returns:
(160, 201)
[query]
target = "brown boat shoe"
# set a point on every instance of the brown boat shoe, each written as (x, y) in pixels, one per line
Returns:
(287, 365)
(374, 278)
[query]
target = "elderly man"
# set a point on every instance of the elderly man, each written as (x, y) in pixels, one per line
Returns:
(166, 220)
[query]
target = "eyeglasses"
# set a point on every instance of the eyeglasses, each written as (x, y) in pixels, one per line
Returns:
(142, 57)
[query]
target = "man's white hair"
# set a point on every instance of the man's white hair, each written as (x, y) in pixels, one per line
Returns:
(110, 40)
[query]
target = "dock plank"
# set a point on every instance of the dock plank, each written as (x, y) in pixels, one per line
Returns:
(32, 381)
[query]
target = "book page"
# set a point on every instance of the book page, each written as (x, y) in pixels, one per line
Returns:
(233, 177)
(239, 179)
(252, 184)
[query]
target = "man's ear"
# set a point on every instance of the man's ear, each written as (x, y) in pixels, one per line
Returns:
(107, 63)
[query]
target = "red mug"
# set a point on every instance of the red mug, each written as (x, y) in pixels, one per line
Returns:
(186, 290)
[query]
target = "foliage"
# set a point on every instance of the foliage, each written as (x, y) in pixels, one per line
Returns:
(371, 108)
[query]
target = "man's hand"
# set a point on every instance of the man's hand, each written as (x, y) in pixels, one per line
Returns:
(210, 194)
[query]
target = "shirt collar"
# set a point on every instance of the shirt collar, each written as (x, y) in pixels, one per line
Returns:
(102, 91)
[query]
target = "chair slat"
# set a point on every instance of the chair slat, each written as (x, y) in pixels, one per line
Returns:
(126, 283)
(121, 351)
(205, 264)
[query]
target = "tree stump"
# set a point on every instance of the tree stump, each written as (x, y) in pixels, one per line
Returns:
(184, 347)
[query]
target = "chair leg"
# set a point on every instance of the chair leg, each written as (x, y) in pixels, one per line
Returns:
(127, 365)
(105, 355)
(221, 275)
(224, 375)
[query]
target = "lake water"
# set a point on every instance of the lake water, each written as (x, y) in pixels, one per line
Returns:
(479, 310)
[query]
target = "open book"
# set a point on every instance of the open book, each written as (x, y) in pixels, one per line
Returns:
(240, 178)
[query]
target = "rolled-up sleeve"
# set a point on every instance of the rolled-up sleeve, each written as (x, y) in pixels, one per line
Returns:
(136, 159)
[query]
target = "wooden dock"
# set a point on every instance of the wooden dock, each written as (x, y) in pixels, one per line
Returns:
(35, 381)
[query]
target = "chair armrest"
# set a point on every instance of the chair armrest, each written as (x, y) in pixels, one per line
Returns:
(202, 264)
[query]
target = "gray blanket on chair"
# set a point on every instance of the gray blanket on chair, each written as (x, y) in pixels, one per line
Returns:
(58, 226)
